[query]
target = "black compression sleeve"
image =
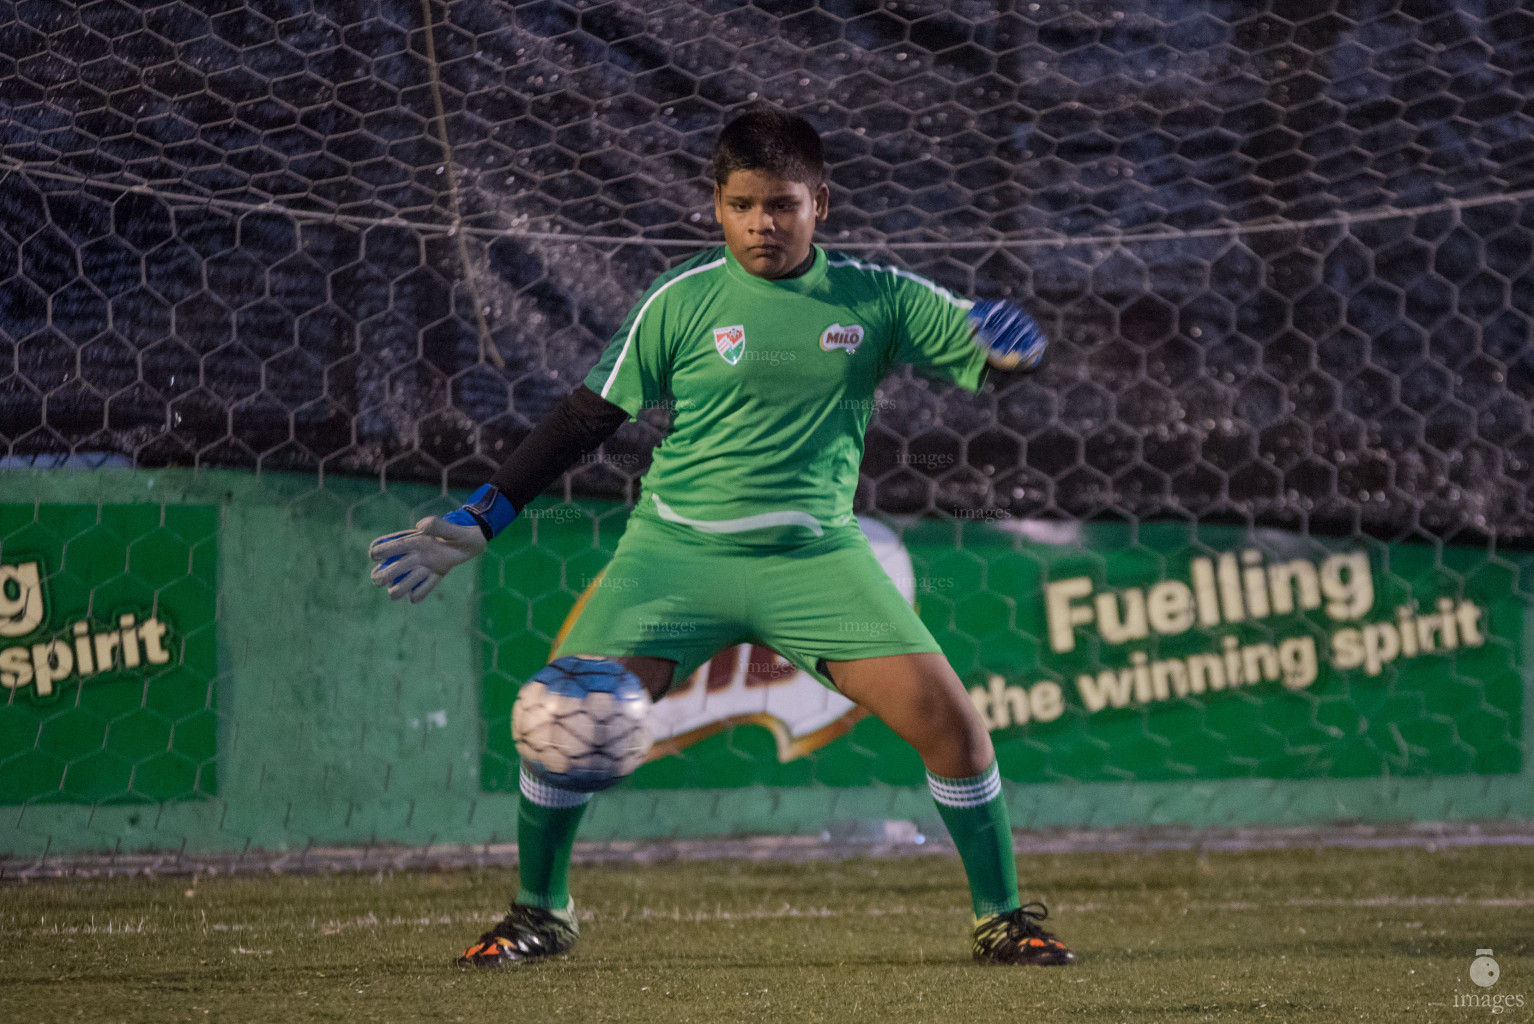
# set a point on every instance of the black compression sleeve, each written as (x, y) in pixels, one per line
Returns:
(576, 425)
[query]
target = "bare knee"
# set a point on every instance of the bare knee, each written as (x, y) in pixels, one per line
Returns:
(921, 698)
(962, 750)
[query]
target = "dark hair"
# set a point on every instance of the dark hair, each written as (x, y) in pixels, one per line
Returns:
(774, 141)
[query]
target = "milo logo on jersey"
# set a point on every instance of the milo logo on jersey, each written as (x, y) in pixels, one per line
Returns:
(730, 342)
(845, 338)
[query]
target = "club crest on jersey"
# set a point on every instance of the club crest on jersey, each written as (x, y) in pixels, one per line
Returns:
(730, 342)
(838, 337)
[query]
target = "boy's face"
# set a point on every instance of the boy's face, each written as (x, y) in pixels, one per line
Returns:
(769, 222)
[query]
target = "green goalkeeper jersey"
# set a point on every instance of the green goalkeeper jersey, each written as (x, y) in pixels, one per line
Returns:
(770, 384)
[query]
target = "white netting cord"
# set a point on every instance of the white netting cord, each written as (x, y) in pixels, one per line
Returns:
(386, 241)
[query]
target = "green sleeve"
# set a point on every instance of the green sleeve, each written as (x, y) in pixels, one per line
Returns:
(630, 373)
(635, 369)
(932, 333)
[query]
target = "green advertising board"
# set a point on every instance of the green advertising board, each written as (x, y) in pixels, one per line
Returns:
(1179, 652)
(297, 706)
(1097, 652)
(108, 653)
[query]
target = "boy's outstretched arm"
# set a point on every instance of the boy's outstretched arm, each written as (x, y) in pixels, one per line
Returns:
(412, 562)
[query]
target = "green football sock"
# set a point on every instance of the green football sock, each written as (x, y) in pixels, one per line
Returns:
(976, 816)
(547, 818)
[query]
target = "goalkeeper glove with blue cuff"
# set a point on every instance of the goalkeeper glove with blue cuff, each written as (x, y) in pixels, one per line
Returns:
(1011, 338)
(488, 509)
(411, 563)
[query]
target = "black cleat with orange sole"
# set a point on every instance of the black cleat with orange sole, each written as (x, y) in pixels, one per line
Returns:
(1016, 938)
(527, 933)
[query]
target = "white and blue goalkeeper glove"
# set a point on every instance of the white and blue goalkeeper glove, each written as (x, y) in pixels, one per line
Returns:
(411, 563)
(1011, 338)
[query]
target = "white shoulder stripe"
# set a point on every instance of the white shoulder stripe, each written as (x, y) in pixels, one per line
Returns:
(613, 376)
(936, 288)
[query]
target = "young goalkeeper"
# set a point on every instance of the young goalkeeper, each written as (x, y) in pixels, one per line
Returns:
(768, 349)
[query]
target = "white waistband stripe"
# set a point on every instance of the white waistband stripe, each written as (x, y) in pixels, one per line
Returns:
(784, 517)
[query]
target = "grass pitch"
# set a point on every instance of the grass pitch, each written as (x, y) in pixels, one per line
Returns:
(1313, 935)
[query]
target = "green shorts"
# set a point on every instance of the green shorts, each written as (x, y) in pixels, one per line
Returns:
(672, 591)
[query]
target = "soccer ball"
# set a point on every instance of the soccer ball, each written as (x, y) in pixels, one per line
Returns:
(582, 723)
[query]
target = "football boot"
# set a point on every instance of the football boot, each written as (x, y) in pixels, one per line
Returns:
(1016, 938)
(527, 933)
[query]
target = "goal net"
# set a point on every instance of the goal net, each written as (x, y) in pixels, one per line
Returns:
(319, 266)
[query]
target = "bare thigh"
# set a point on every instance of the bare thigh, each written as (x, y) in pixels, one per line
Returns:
(921, 698)
(655, 673)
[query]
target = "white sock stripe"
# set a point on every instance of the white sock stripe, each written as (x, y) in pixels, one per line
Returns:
(545, 795)
(965, 792)
(985, 778)
(972, 798)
